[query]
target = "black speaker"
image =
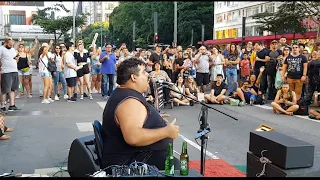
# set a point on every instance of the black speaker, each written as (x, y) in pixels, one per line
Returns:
(82, 159)
(283, 151)
(255, 168)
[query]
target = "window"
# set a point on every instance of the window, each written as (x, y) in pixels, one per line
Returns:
(255, 10)
(257, 31)
(270, 7)
(17, 19)
(239, 13)
(248, 12)
(248, 31)
(243, 12)
(228, 3)
(261, 10)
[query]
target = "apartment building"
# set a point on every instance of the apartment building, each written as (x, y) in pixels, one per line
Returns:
(228, 17)
(99, 10)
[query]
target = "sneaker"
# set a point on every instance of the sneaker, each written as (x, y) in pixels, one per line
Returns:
(251, 101)
(312, 116)
(72, 100)
(234, 102)
(17, 96)
(30, 96)
(90, 96)
(85, 95)
(4, 109)
(56, 98)
(75, 95)
(45, 101)
(65, 96)
(241, 103)
(12, 108)
(105, 98)
(81, 96)
(50, 100)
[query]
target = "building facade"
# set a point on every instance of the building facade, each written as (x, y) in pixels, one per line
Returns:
(15, 20)
(99, 10)
(228, 17)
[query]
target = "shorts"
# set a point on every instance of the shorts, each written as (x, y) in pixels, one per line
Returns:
(9, 82)
(96, 69)
(71, 82)
(46, 75)
(84, 70)
(202, 79)
(20, 73)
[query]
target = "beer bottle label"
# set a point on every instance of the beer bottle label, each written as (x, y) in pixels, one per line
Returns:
(184, 165)
(172, 170)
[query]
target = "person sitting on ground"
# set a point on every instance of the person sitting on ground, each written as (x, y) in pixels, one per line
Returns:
(144, 138)
(285, 101)
(314, 114)
(3, 129)
(191, 88)
(178, 98)
(255, 86)
(218, 90)
(243, 95)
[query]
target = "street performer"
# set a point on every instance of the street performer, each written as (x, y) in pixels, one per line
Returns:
(132, 130)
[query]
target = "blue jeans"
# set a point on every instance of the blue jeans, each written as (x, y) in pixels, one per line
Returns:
(105, 89)
(232, 78)
(59, 77)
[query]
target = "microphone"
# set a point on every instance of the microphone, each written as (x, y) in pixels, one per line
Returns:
(165, 82)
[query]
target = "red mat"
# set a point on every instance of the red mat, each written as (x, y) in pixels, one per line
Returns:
(217, 168)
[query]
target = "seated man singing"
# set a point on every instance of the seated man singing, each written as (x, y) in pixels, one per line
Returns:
(218, 90)
(285, 101)
(132, 130)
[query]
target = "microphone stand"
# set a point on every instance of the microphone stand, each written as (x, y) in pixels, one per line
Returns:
(204, 126)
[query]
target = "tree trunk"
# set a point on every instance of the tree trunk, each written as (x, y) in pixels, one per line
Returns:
(60, 36)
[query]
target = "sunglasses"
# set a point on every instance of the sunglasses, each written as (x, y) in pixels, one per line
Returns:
(57, 48)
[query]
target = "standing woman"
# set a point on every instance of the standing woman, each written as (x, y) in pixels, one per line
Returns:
(217, 64)
(232, 60)
(45, 74)
(58, 76)
(84, 72)
(23, 65)
(30, 53)
(96, 70)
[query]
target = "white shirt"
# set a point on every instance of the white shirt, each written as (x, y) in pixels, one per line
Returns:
(43, 63)
(9, 63)
(68, 72)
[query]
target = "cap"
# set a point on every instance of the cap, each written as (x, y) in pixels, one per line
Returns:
(45, 44)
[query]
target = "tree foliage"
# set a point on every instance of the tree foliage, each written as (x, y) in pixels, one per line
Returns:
(287, 19)
(88, 34)
(59, 26)
(191, 15)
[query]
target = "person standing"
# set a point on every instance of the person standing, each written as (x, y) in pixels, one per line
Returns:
(9, 74)
(296, 65)
(108, 60)
(70, 71)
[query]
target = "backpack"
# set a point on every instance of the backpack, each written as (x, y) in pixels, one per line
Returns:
(52, 67)
(303, 108)
(315, 74)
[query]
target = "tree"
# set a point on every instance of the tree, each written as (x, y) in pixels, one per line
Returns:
(287, 19)
(88, 34)
(191, 15)
(59, 26)
(269, 22)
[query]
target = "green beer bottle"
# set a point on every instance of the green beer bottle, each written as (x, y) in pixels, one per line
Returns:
(184, 160)
(169, 166)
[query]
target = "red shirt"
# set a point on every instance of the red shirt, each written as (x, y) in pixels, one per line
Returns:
(245, 67)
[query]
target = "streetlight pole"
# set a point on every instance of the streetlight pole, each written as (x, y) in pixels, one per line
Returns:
(74, 23)
(134, 36)
(175, 30)
(101, 34)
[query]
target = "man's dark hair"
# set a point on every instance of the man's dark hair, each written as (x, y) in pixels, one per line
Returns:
(128, 67)
(283, 37)
(301, 44)
(245, 82)
(220, 75)
(245, 53)
(68, 45)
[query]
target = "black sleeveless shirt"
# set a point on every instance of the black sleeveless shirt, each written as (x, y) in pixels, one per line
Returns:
(80, 59)
(115, 149)
(23, 62)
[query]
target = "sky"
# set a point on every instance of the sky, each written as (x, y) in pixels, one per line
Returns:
(67, 4)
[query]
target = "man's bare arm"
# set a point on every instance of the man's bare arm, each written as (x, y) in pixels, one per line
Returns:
(131, 115)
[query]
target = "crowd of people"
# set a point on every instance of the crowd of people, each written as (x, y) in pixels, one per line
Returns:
(288, 75)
